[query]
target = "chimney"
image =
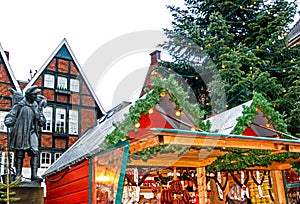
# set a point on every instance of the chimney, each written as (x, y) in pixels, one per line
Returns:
(155, 57)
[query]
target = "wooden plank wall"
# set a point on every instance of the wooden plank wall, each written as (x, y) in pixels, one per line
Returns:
(69, 186)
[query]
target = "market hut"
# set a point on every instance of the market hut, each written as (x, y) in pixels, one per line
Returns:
(159, 148)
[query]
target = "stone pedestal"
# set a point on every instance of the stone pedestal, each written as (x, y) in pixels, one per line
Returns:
(29, 192)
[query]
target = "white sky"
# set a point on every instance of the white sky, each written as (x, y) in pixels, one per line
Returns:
(32, 29)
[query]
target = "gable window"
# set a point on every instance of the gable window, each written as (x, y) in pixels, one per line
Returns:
(48, 115)
(60, 120)
(3, 128)
(48, 81)
(73, 122)
(74, 85)
(62, 83)
(56, 156)
(45, 159)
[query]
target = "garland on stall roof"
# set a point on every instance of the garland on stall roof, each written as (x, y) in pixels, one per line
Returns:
(239, 159)
(160, 87)
(249, 113)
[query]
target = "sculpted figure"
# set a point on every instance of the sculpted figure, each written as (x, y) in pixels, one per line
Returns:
(24, 119)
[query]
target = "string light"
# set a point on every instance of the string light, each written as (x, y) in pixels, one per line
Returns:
(244, 23)
(137, 125)
(223, 66)
(254, 2)
(193, 129)
(250, 68)
(178, 113)
(150, 111)
(208, 45)
(162, 94)
(268, 125)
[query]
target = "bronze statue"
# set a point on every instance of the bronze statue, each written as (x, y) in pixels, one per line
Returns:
(24, 119)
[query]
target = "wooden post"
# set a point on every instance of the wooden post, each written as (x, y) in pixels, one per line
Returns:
(278, 187)
(201, 181)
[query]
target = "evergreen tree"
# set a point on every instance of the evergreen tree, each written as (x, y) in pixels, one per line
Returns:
(245, 42)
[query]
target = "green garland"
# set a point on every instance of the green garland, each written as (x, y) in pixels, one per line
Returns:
(237, 159)
(250, 112)
(160, 87)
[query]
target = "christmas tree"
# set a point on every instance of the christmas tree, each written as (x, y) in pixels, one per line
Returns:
(226, 50)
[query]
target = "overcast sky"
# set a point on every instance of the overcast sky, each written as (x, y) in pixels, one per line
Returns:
(32, 29)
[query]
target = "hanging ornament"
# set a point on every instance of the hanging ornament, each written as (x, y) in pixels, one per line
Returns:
(260, 193)
(220, 192)
(135, 175)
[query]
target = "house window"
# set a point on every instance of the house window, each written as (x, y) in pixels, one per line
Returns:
(49, 81)
(56, 156)
(60, 120)
(74, 85)
(3, 162)
(2, 125)
(73, 122)
(48, 115)
(62, 83)
(45, 159)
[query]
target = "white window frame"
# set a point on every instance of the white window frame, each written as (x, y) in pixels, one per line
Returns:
(45, 159)
(60, 120)
(3, 162)
(74, 85)
(62, 83)
(3, 127)
(48, 113)
(49, 80)
(56, 156)
(73, 122)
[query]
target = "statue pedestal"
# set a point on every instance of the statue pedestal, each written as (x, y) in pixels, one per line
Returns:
(29, 192)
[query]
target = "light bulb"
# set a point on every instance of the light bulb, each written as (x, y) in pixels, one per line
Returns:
(137, 125)
(150, 111)
(162, 94)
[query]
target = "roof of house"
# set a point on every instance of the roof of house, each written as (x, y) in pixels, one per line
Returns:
(226, 121)
(295, 31)
(6, 62)
(64, 50)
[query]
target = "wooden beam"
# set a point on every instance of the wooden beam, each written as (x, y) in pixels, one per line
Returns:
(217, 143)
(278, 187)
(293, 148)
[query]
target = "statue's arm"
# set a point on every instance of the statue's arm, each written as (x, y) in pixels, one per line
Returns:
(11, 117)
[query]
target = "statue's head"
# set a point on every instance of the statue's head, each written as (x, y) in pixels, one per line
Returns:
(31, 93)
